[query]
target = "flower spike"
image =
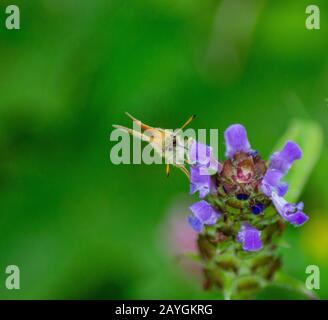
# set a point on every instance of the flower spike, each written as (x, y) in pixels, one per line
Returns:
(241, 212)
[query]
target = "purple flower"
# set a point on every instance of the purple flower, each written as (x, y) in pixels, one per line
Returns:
(236, 140)
(242, 196)
(257, 208)
(283, 159)
(271, 183)
(272, 186)
(202, 214)
(195, 223)
(249, 237)
(204, 165)
(201, 155)
(293, 213)
(202, 183)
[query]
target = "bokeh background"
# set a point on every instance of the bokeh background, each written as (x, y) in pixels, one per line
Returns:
(80, 227)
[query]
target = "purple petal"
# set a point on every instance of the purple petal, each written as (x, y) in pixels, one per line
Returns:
(202, 183)
(282, 188)
(203, 192)
(200, 154)
(249, 237)
(204, 212)
(214, 166)
(300, 206)
(271, 183)
(298, 218)
(236, 140)
(195, 223)
(289, 212)
(283, 159)
(272, 177)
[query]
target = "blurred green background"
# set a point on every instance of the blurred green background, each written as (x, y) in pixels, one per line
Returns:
(80, 227)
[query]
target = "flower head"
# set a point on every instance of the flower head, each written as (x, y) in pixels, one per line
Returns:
(244, 182)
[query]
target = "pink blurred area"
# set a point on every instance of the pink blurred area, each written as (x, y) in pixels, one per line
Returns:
(179, 240)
